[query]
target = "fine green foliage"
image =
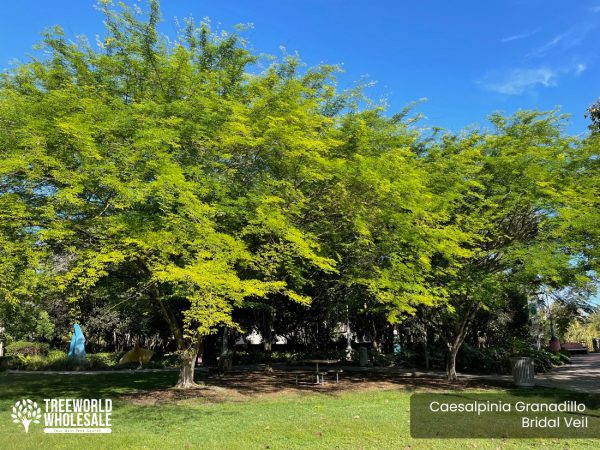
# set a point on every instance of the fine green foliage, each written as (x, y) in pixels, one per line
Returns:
(497, 360)
(584, 331)
(188, 177)
(137, 157)
(518, 194)
(58, 360)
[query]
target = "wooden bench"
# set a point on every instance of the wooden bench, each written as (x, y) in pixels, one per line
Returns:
(574, 347)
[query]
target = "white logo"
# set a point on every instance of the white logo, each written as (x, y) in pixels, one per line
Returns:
(77, 415)
(66, 415)
(25, 412)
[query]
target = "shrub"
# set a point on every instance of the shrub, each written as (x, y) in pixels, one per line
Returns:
(544, 359)
(486, 360)
(32, 362)
(58, 360)
(565, 356)
(163, 362)
(496, 359)
(101, 361)
(24, 348)
(583, 332)
(385, 359)
(4, 363)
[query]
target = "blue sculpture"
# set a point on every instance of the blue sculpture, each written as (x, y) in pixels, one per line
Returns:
(77, 348)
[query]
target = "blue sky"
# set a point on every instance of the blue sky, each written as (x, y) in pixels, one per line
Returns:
(468, 58)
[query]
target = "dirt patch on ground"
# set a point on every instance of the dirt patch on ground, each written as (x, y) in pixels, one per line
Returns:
(247, 385)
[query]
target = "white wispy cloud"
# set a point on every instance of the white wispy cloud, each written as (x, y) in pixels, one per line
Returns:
(516, 37)
(517, 81)
(572, 37)
(580, 68)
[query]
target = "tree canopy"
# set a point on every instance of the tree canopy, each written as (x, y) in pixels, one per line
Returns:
(181, 175)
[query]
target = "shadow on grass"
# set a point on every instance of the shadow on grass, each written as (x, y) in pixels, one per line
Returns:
(156, 386)
(250, 383)
(87, 386)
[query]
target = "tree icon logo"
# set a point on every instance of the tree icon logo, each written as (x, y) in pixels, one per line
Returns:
(25, 412)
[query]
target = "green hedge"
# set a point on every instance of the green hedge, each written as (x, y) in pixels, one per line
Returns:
(25, 348)
(58, 360)
(497, 359)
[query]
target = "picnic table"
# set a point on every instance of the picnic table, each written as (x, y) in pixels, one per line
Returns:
(316, 362)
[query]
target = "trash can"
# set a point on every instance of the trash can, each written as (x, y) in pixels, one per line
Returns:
(523, 371)
(363, 357)
(596, 344)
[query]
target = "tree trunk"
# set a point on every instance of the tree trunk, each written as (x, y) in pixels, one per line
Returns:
(187, 348)
(268, 348)
(187, 368)
(267, 335)
(451, 363)
(225, 342)
(186, 372)
(375, 337)
(459, 338)
(348, 337)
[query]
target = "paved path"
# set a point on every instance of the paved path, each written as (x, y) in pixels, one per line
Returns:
(582, 375)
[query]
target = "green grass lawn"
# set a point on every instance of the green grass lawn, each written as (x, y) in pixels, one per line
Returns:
(375, 419)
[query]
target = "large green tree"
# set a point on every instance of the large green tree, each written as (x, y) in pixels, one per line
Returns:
(183, 174)
(518, 194)
(156, 159)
